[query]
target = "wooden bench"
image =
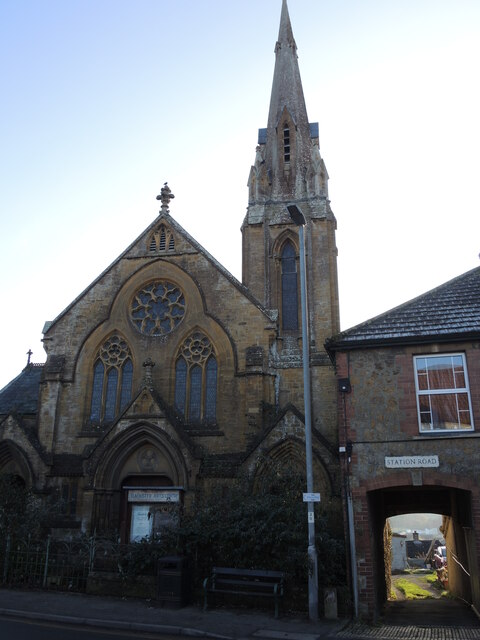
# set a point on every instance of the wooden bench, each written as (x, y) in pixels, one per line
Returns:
(246, 582)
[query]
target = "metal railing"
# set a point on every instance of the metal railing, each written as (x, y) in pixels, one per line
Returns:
(66, 565)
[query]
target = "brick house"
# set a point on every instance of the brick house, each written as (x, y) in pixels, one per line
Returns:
(409, 414)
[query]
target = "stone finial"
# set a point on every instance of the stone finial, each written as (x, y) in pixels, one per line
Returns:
(148, 378)
(29, 356)
(165, 196)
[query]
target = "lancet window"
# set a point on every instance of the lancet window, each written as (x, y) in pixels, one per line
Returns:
(112, 380)
(161, 240)
(289, 287)
(286, 143)
(196, 374)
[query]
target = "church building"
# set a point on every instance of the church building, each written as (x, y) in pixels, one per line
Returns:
(167, 376)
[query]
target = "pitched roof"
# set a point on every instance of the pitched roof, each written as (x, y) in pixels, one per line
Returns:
(21, 394)
(450, 312)
(168, 219)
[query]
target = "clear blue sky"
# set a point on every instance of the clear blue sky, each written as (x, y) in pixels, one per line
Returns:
(104, 100)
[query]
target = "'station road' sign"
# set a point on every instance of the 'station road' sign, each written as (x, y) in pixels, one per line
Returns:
(411, 462)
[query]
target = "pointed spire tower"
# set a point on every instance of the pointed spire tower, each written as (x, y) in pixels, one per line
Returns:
(288, 169)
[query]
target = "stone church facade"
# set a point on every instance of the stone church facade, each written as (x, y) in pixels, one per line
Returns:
(167, 376)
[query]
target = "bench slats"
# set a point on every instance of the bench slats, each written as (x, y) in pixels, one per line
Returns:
(246, 582)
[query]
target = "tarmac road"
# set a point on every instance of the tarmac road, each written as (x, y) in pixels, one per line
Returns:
(11, 629)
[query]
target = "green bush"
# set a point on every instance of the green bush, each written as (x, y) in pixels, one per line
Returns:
(23, 514)
(262, 529)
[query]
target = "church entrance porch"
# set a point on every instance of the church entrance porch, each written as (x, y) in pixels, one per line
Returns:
(139, 484)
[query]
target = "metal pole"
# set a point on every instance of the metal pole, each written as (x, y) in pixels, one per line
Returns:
(312, 550)
(353, 555)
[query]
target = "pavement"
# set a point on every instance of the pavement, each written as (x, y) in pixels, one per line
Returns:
(147, 616)
(452, 620)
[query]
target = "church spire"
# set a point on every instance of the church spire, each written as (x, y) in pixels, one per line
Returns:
(288, 164)
(287, 91)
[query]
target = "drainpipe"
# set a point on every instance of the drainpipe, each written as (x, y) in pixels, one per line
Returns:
(344, 387)
(353, 555)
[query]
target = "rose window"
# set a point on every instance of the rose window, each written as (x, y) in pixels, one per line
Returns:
(157, 308)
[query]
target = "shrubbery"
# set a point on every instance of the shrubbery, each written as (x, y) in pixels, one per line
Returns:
(22, 513)
(261, 529)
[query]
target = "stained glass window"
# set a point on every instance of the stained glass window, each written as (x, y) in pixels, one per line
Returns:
(157, 308)
(211, 390)
(111, 394)
(97, 391)
(180, 385)
(289, 288)
(196, 380)
(126, 392)
(195, 394)
(112, 380)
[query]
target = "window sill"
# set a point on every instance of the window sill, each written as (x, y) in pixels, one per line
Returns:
(446, 435)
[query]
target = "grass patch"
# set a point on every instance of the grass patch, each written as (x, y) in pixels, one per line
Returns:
(419, 571)
(411, 591)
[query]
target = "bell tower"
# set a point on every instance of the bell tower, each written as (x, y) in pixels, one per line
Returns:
(289, 169)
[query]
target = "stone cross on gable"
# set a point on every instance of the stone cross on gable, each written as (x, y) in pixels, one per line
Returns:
(165, 196)
(29, 354)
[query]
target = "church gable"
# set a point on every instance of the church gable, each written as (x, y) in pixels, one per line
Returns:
(166, 301)
(167, 261)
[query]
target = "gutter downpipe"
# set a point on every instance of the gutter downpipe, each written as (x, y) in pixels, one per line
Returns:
(353, 555)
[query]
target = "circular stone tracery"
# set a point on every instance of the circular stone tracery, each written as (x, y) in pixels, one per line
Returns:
(157, 308)
(114, 351)
(197, 348)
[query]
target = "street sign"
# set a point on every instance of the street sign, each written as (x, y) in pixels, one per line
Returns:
(311, 497)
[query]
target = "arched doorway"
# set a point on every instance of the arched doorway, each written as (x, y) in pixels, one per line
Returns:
(139, 484)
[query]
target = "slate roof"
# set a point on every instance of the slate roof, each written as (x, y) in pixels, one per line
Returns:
(21, 394)
(448, 313)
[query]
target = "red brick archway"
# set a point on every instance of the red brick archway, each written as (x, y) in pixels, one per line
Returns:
(379, 498)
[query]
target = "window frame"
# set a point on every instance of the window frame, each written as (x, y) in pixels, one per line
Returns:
(111, 385)
(443, 391)
(196, 384)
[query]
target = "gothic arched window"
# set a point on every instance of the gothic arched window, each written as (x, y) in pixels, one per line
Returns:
(112, 380)
(286, 143)
(161, 240)
(289, 288)
(196, 380)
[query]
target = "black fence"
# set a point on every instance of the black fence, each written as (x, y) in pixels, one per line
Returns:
(66, 565)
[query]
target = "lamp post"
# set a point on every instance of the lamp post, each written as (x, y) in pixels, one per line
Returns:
(299, 219)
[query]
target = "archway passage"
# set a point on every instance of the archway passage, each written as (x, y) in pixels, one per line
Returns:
(455, 505)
